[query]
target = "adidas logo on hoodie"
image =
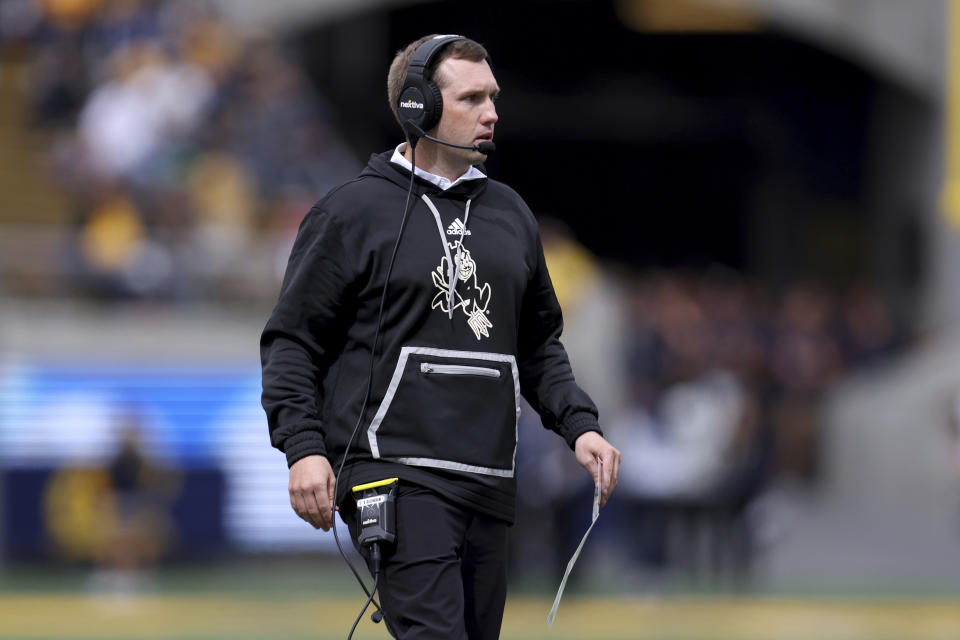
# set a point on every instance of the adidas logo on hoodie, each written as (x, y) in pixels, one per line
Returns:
(456, 228)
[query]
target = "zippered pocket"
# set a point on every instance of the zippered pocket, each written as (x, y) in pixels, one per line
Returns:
(458, 370)
(447, 409)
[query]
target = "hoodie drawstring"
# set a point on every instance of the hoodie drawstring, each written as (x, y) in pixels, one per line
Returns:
(454, 273)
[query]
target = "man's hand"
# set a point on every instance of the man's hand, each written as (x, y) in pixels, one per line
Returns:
(590, 446)
(311, 491)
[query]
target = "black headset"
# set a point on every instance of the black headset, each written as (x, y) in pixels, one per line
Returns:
(421, 104)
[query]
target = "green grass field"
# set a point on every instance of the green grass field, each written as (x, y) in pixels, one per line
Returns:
(291, 602)
(210, 617)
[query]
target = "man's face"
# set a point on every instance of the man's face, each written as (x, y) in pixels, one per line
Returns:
(469, 90)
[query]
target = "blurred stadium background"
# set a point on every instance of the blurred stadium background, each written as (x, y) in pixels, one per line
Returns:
(755, 240)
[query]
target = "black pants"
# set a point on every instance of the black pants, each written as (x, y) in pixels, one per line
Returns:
(445, 578)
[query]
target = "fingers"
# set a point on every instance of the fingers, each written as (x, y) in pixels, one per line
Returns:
(312, 506)
(324, 499)
(299, 505)
(329, 504)
(322, 504)
(311, 491)
(615, 471)
(590, 448)
(611, 471)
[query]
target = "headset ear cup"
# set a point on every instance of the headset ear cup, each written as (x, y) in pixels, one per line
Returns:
(421, 104)
(412, 106)
(433, 107)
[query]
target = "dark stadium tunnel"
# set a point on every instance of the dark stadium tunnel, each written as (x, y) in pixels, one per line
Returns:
(652, 147)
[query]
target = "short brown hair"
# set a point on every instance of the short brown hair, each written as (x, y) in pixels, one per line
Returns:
(464, 48)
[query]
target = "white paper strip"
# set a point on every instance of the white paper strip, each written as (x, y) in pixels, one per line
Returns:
(576, 554)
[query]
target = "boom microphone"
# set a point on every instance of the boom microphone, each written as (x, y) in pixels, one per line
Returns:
(486, 147)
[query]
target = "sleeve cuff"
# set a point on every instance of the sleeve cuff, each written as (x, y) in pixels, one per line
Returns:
(303, 444)
(579, 425)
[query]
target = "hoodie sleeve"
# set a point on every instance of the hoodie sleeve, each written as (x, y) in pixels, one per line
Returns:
(296, 342)
(546, 379)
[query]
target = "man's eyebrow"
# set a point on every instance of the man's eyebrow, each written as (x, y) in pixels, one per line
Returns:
(484, 90)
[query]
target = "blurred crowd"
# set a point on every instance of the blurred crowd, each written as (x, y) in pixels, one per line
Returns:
(712, 390)
(179, 140)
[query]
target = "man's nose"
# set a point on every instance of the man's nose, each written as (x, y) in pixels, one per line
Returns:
(490, 113)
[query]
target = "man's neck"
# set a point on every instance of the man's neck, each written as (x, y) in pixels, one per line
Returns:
(432, 159)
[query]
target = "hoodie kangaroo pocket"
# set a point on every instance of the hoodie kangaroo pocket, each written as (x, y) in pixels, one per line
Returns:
(449, 409)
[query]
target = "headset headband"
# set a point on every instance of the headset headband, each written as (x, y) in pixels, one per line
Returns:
(425, 53)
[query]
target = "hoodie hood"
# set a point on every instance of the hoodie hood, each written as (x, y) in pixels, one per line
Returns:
(380, 166)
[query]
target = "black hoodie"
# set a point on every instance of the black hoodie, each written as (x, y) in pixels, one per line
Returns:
(448, 377)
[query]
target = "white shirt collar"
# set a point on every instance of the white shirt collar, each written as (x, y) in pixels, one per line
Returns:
(444, 183)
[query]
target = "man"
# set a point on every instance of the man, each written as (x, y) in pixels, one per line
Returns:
(466, 322)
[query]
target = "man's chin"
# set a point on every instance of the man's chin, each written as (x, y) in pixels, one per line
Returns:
(470, 156)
